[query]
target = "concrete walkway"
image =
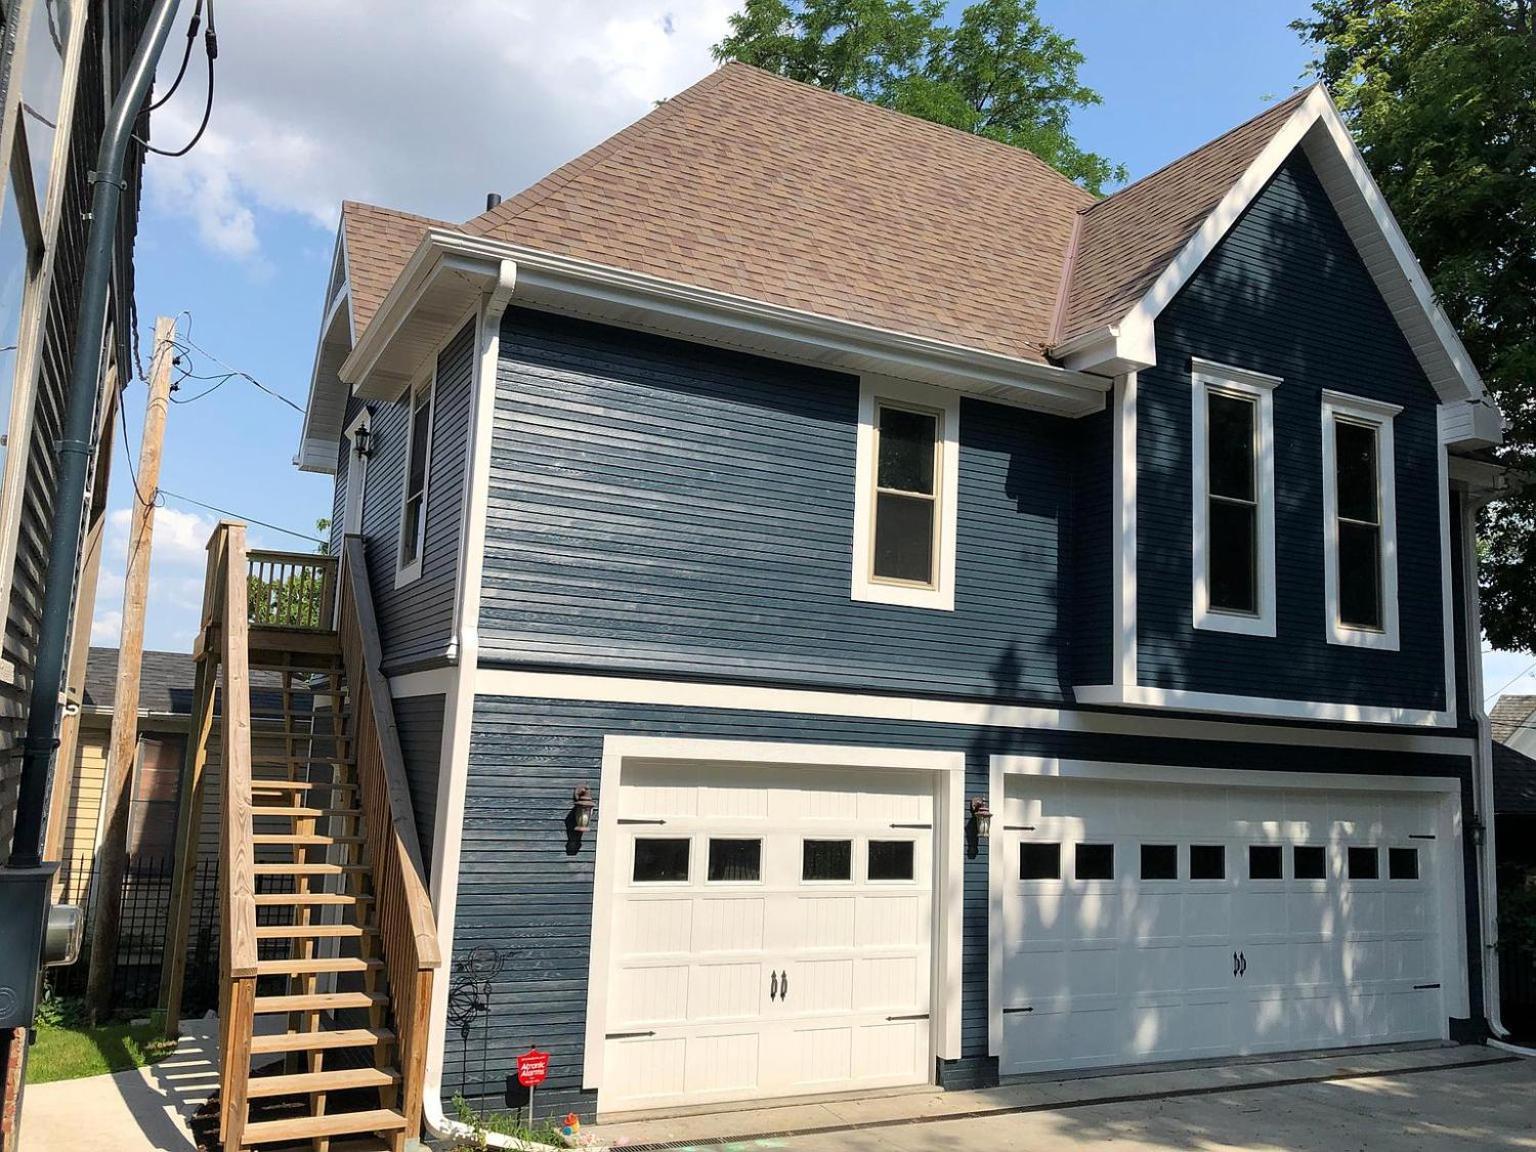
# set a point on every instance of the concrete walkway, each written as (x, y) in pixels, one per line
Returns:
(134, 1111)
(1413, 1100)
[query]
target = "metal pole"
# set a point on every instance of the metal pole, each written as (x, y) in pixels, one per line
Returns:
(76, 442)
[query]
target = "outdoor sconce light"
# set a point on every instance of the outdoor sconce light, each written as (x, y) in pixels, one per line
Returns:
(981, 817)
(581, 810)
(362, 441)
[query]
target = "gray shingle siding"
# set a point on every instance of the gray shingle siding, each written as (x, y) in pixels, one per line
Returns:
(520, 892)
(419, 721)
(1286, 294)
(416, 621)
(667, 507)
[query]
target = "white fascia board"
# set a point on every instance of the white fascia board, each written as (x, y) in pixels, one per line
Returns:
(317, 441)
(1182, 700)
(631, 299)
(1134, 337)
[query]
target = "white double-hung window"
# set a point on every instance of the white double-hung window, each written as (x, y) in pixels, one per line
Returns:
(1233, 455)
(906, 494)
(1359, 521)
(418, 461)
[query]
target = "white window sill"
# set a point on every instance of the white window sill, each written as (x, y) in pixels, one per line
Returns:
(934, 599)
(1235, 622)
(1342, 634)
(408, 575)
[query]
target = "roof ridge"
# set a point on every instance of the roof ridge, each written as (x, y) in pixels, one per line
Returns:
(594, 157)
(1293, 99)
(933, 125)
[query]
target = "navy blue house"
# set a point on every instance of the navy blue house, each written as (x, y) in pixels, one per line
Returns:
(1001, 631)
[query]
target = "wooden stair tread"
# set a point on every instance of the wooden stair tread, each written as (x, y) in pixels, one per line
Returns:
(267, 784)
(303, 839)
(312, 1041)
(291, 931)
(331, 1124)
(333, 1081)
(309, 869)
(285, 761)
(319, 1002)
(294, 899)
(281, 812)
(317, 965)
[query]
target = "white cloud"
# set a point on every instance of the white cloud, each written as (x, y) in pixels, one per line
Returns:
(425, 107)
(179, 538)
(177, 568)
(106, 627)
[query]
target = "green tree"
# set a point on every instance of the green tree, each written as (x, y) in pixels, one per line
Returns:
(1441, 96)
(1000, 72)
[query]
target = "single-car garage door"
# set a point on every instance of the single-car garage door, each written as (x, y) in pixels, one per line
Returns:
(771, 933)
(1147, 922)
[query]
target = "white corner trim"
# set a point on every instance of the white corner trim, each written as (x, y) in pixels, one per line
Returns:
(948, 855)
(1208, 378)
(357, 464)
(575, 686)
(1177, 698)
(409, 573)
(997, 879)
(945, 404)
(1377, 415)
(1123, 526)
(460, 683)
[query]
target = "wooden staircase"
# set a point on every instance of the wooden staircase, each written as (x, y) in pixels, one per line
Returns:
(327, 942)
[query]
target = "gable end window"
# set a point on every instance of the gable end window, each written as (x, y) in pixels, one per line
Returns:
(1233, 542)
(1359, 521)
(418, 461)
(905, 495)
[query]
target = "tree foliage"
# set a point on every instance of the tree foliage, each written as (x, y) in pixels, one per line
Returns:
(1000, 72)
(1441, 96)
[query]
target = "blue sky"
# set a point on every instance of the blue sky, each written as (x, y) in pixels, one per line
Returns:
(418, 107)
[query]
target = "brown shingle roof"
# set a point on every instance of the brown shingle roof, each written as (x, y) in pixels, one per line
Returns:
(1127, 240)
(379, 242)
(777, 191)
(759, 186)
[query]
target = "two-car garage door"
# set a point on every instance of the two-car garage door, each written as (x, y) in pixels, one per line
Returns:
(1147, 922)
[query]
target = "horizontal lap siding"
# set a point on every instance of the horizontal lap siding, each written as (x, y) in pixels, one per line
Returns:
(416, 621)
(666, 507)
(1092, 581)
(419, 720)
(1286, 294)
(521, 893)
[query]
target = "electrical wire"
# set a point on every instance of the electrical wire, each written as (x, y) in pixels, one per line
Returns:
(211, 51)
(186, 344)
(186, 58)
(238, 516)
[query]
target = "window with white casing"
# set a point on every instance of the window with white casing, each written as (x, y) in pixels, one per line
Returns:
(905, 494)
(418, 461)
(1359, 521)
(1233, 552)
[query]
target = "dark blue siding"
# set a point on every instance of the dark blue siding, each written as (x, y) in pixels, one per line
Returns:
(419, 720)
(667, 507)
(416, 621)
(1285, 293)
(520, 891)
(1092, 584)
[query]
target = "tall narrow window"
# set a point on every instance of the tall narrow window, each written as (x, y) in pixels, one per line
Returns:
(904, 530)
(1359, 522)
(413, 511)
(1233, 538)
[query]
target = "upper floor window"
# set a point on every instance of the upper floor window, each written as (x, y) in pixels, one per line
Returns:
(1359, 521)
(418, 459)
(1233, 558)
(905, 496)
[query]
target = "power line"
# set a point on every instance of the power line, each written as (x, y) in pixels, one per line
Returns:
(186, 58)
(186, 343)
(238, 516)
(1518, 675)
(211, 51)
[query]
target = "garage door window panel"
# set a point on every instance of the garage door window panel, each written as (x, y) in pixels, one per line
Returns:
(661, 860)
(1207, 862)
(890, 861)
(1039, 861)
(1094, 862)
(735, 861)
(1159, 861)
(1309, 862)
(1403, 863)
(1266, 862)
(826, 861)
(1363, 864)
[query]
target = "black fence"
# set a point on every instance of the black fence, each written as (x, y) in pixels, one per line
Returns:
(144, 910)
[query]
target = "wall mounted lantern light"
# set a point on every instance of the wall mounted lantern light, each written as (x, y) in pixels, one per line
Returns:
(981, 818)
(581, 810)
(362, 441)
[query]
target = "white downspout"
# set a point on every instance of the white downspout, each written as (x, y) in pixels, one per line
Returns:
(459, 708)
(1482, 780)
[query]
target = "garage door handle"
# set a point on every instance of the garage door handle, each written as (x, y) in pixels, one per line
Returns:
(784, 987)
(773, 986)
(1242, 960)
(626, 1035)
(1234, 965)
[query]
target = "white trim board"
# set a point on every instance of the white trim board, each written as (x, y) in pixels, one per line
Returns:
(1377, 416)
(1315, 125)
(1123, 542)
(574, 686)
(1449, 825)
(1140, 696)
(948, 854)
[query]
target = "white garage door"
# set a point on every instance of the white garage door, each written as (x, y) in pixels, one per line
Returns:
(771, 934)
(1151, 922)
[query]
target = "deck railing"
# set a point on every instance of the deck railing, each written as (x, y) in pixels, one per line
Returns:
(291, 590)
(407, 929)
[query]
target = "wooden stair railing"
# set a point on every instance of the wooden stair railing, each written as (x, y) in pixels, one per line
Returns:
(323, 810)
(407, 927)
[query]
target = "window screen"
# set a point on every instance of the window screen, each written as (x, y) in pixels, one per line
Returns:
(906, 495)
(414, 514)
(1232, 548)
(1359, 524)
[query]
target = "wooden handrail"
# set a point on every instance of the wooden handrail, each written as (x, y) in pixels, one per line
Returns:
(291, 589)
(407, 928)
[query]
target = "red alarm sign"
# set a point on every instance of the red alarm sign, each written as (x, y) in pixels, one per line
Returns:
(532, 1067)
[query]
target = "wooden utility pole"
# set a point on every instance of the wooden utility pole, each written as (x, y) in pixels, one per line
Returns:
(123, 749)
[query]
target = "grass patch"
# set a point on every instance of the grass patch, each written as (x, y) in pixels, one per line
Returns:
(66, 1049)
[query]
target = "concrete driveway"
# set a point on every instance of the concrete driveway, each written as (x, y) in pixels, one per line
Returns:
(1404, 1101)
